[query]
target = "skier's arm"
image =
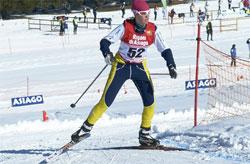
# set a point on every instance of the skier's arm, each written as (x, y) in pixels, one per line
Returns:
(165, 51)
(112, 37)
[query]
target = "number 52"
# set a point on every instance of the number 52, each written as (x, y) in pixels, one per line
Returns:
(135, 52)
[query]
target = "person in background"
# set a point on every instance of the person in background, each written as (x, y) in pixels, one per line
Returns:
(75, 24)
(229, 4)
(123, 9)
(191, 10)
(62, 25)
(206, 10)
(248, 43)
(201, 16)
(66, 27)
(171, 15)
(233, 55)
(219, 8)
(164, 11)
(155, 11)
(84, 12)
(209, 30)
(136, 35)
(95, 13)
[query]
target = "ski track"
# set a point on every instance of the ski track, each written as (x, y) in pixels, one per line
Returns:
(204, 146)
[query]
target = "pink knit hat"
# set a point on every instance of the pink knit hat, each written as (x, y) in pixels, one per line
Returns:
(139, 5)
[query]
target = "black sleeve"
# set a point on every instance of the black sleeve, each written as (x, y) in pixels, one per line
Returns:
(168, 56)
(104, 46)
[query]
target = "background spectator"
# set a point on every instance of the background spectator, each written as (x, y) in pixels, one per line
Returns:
(171, 15)
(84, 13)
(209, 30)
(123, 9)
(248, 42)
(94, 13)
(233, 55)
(155, 11)
(229, 4)
(62, 25)
(75, 24)
(191, 10)
(201, 16)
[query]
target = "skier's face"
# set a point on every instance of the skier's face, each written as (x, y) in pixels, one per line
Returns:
(142, 17)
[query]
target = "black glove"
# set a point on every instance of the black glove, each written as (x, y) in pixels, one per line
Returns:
(109, 58)
(168, 56)
(172, 71)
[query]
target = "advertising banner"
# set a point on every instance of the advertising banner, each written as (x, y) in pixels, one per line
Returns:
(202, 83)
(28, 100)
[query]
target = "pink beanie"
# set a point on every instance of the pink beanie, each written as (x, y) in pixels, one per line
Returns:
(140, 5)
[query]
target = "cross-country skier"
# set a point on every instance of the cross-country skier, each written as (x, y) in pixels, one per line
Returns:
(136, 35)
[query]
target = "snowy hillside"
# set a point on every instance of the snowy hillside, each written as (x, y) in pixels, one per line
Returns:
(60, 68)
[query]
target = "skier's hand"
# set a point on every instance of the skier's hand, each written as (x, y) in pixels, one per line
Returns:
(109, 58)
(172, 71)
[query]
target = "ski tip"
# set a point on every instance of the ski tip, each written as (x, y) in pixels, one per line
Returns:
(63, 149)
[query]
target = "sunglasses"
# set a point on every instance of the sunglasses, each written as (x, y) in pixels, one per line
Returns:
(142, 13)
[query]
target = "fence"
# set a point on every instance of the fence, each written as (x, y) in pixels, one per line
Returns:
(230, 24)
(231, 96)
(183, 17)
(39, 24)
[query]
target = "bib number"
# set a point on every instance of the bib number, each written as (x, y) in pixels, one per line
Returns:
(135, 52)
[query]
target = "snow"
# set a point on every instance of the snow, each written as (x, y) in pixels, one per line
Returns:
(60, 68)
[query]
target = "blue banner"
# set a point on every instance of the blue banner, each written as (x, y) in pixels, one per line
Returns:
(28, 100)
(202, 83)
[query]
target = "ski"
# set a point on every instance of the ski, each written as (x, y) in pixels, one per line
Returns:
(161, 147)
(63, 149)
(140, 147)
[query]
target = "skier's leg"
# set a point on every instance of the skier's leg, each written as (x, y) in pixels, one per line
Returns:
(145, 89)
(142, 80)
(115, 81)
(117, 77)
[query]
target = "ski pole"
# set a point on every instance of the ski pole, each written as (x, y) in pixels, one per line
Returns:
(159, 73)
(74, 104)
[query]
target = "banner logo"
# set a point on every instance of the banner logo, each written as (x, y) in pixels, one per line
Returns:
(202, 83)
(28, 100)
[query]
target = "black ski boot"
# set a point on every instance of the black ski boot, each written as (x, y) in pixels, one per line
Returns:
(145, 139)
(84, 130)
